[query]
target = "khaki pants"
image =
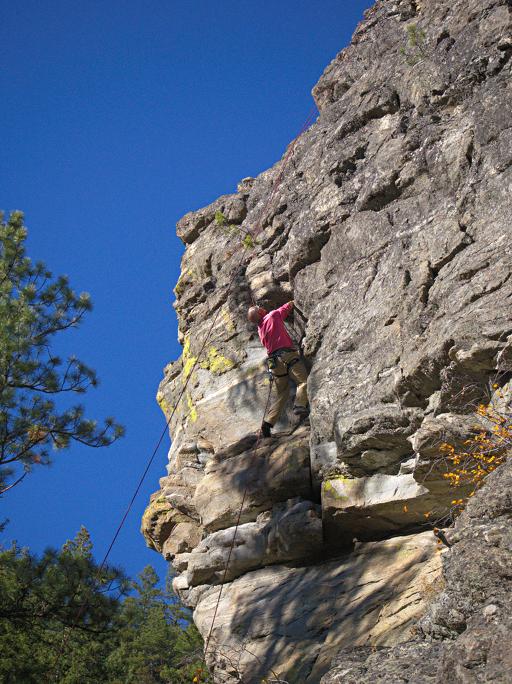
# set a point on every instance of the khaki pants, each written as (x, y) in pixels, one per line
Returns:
(298, 374)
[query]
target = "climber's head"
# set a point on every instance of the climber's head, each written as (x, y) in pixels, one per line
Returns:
(255, 314)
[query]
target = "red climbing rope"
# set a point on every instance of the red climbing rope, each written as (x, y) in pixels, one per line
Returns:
(53, 671)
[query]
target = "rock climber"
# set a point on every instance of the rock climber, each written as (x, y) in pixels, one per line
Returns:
(283, 362)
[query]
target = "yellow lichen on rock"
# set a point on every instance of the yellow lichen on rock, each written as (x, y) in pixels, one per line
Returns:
(328, 484)
(188, 359)
(329, 488)
(163, 403)
(228, 321)
(179, 285)
(186, 279)
(191, 408)
(216, 363)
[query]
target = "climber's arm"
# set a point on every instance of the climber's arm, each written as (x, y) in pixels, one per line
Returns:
(286, 309)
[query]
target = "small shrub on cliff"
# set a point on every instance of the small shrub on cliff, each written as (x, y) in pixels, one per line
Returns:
(487, 449)
(246, 239)
(220, 219)
(415, 50)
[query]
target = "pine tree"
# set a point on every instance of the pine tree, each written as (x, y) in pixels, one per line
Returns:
(58, 614)
(66, 620)
(157, 642)
(34, 308)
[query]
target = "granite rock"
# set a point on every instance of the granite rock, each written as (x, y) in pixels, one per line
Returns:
(290, 621)
(389, 223)
(464, 636)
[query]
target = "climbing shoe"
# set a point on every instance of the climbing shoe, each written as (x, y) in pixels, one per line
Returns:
(302, 411)
(266, 429)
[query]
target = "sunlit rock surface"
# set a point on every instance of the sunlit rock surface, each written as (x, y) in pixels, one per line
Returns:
(291, 621)
(389, 224)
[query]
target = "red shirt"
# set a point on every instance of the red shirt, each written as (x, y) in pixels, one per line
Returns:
(273, 334)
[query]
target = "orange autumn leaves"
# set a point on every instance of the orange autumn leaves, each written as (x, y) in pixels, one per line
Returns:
(483, 453)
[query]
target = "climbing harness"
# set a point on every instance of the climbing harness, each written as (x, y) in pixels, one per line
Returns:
(274, 359)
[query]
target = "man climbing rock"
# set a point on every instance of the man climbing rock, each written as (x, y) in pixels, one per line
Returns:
(284, 362)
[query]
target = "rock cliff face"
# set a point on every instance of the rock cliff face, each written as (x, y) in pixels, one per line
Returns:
(466, 633)
(389, 224)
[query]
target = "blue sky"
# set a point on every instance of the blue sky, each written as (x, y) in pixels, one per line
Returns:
(117, 118)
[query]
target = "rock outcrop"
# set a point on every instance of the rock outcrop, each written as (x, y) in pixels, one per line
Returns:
(389, 224)
(466, 634)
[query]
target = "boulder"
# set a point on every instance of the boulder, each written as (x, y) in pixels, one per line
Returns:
(372, 507)
(165, 528)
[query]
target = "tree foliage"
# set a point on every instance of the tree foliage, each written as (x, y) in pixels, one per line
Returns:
(34, 308)
(157, 642)
(64, 619)
(57, 613)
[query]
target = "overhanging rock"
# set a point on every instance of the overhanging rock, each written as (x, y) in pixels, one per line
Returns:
(372, 507)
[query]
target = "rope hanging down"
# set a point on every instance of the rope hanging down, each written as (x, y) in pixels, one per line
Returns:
(288, 155)
(142, 477)
(256, 231)
(207, 642)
